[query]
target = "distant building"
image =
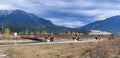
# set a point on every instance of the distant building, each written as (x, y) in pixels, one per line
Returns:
(98, 32)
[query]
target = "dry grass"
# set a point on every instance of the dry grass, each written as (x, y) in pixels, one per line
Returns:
(71, 50)
(107, 49)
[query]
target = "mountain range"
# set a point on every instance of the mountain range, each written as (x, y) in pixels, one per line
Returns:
(111, 24)
(20, 21)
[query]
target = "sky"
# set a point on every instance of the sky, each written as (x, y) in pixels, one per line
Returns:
(69, 13)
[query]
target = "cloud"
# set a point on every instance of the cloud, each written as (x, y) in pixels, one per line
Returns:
(67, 12)
(67, 23)
(3, 7)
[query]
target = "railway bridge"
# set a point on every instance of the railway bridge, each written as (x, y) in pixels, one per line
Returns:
(58, 36)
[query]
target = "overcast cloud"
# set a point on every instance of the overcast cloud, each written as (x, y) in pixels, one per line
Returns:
(69, 13)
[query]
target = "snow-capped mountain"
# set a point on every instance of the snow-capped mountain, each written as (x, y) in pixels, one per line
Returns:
(20, 17)
(5, 12)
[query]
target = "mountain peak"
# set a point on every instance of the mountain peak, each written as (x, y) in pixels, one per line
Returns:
(18, 10)
(7, 12)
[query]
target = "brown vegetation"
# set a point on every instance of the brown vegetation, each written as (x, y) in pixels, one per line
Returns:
(107, 49)
(71, 50)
